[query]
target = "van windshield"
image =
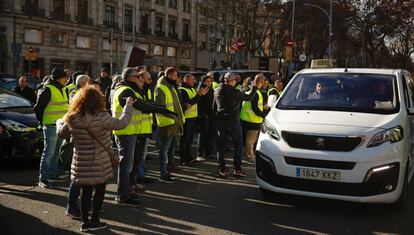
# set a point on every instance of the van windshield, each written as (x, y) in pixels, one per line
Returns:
(351, 92)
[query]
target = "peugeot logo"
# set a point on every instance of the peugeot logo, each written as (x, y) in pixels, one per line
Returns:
(320, 142)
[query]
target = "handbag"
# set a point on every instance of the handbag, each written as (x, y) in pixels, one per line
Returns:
(113, 155)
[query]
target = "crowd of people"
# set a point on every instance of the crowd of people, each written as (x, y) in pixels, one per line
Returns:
(96, 125)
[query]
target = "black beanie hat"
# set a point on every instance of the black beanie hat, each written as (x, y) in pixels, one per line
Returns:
(57, 73)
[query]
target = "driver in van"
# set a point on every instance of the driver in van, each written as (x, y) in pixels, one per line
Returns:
(318, 93)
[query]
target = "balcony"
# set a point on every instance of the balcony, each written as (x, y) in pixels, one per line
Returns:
(187, 38)
(159, 33)
(113, 25)
(173, 35)
(145, 30)
(33, 11)
(59, 16)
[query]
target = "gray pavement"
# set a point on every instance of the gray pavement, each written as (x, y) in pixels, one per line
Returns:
(198, 203)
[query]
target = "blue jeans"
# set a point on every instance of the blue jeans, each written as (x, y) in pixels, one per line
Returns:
(74, 192)
(232, 129)
(139, 159)
(49, 161)
(167, 149)
(126, 146)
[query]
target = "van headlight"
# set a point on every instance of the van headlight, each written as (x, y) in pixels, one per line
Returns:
(269, 129)
(392, 135)
(16, 126)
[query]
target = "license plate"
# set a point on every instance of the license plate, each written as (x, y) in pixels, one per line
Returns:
(315, 174)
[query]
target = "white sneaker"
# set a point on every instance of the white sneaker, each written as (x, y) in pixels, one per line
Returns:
(200, 159)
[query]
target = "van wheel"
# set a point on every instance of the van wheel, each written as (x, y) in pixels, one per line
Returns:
(402, 200)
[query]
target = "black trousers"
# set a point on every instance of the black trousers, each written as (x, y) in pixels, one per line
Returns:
(86, 200)
(208, 133)
(187, 139)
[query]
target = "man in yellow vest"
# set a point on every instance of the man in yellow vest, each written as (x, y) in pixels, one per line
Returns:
(126, 138)
(52, 103)
(138, 172)
(189, 98)
(169, 128)
(274, 93)
(252, 115)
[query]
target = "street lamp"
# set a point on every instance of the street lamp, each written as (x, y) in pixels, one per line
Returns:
(329, 15)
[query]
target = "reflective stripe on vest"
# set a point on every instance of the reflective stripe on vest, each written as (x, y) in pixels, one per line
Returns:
(278, 92)
(146, 119)
(247, 113)
(134, 126)
(57, 106)
(215, 85)
(192, 111)
(162, 120)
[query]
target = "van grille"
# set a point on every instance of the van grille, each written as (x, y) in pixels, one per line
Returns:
(319, 142)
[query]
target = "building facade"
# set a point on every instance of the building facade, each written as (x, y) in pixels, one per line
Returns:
(37, 35)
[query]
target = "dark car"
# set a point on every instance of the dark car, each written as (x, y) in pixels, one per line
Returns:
(10, 82)
(20, 135)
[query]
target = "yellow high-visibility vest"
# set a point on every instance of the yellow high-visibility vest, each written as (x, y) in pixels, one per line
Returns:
(57, 106)
(247, 114)
(163, 120)
(192, 111)
(134, 126)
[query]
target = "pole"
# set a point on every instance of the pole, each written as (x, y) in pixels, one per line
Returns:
(292, 37)
(123, 27)
(330, 31)
(15, 45)
(111, 32)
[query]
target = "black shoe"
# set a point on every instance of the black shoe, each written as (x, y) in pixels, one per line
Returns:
(145, 180)
(73, 213)
(93, 226)
(223, 172)
(166, 179)
(84, 227)
(44, 184)
(127, 202)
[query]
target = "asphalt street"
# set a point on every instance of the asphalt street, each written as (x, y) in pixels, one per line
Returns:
(198, 203)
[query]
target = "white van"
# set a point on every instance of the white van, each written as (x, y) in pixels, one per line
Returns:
(343, 134)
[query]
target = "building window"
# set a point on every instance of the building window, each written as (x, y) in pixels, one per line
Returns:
(33, 36)
(203, 46)
(202, 11)
(160, 2)
(144, 46)
(172, 4)
(172, 25)
(83, 11)
(171, 51)
(128, 20)
(144, 24)
(106, 45)
(31, 7)
(158, 50)
(60, 39)
(186, 53)
(83, 42)
(58, 9)
(159, 26)
(187, 5)
(186, 32)
(203, 28)
(110, 16)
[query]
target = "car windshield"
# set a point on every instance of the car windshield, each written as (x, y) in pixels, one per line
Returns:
(353, 92)
(12, 101)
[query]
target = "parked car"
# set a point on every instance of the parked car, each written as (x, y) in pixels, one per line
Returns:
(10, 82)
(350, 141)
(20, 135)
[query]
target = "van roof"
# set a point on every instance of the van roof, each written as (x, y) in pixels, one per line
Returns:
(351, 70)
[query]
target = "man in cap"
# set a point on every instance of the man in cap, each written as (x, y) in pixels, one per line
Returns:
(126, 138)
(52, 103)
(228, 100)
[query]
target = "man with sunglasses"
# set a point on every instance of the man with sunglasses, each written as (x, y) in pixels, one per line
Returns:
(24, 90)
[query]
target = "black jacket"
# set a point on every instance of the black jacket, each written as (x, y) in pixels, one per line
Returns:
(44, 97)
(105, 82)
(27, 93)
(228, 100)
(205, 105)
